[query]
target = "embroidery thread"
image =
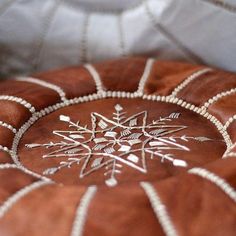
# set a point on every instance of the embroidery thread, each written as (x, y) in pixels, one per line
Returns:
(112, 143)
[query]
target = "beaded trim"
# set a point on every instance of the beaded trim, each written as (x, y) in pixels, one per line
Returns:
(229, 121)
(146, 73)
(217, 97)
(218, 181)
(20, 194)
(8, 126)
(18, 100)
(189, 79)
(82, 210)
(96, 77)
(44, 84)
(160, 209)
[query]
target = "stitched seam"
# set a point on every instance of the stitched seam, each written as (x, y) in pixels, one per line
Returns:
(217, 97)
(44, 84)
(189, 79)
(4, 208)
(159, 209)
(145, 76)
(96, 77)
(167, 34)
(19, 101)
(82, 210)
(218, 181)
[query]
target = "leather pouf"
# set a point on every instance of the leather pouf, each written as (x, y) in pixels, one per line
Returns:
(126, 147)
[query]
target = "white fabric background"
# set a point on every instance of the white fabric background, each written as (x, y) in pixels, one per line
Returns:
(40, 35)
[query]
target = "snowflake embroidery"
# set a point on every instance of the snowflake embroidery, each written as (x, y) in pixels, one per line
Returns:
(112, 143)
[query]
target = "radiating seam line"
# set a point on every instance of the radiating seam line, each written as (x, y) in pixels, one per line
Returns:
(44, 84)
(159, 209)
(8, 126)
(218, 181)
(19, 101)
(145, 76)
(41, 40)
(82, 210)
(217, 97)
(96, 77)
(189, 79)
(84, 40)
(20, 194)
(6, 6)
(222, 4)
(121, 35)
(230, 121)
(160, 28)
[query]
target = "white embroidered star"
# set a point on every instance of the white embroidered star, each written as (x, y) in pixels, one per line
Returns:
(112, 143)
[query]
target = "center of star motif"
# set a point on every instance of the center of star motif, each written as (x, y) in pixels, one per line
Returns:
(114, 141)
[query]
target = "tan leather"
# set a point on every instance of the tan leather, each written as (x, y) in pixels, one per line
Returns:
(195, 205)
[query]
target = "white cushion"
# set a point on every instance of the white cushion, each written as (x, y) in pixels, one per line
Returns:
(40, 35)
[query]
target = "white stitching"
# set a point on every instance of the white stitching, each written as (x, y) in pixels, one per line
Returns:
(217, 97)
(8, 166)
(84, 39)
(190, 55)
(82, 210)
(230, 121)
(224, 5)
(96, 77)
(218, 181)
(189, 79)
(41, 40)
(4, 149)
(8, 126)
(160, 209)
(44, 84)
(146, 73)
(18, 100)
(20, 194)
(113, 94)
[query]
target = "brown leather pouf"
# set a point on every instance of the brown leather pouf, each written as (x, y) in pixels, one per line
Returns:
(127, 147)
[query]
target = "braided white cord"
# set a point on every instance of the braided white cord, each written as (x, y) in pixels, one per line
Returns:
(20, 194)
(44, 84)
(81, 212)
(18, 100)
(160, 209)
(218, 181)
(189, 79)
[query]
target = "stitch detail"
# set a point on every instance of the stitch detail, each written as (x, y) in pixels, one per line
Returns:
(218, 181)
(44, 84)
(189, 79)
(160, 209)
(82, 210)
(18, 100)
(4, 208)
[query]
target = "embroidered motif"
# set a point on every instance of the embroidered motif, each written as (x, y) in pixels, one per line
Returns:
(112, 143)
